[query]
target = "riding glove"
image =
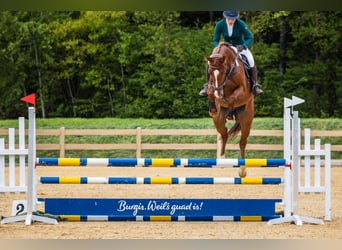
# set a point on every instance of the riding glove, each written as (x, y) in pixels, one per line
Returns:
(240, 48)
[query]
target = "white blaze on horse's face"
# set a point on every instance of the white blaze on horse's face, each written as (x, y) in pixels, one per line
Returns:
(216, 73)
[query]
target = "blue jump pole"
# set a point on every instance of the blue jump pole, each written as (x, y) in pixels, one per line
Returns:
(160, 162)
(160, 180)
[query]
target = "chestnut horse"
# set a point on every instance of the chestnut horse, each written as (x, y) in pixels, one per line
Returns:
(230, 90)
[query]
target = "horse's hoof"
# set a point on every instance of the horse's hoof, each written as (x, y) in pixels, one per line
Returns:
(242, 172)
(213, 114)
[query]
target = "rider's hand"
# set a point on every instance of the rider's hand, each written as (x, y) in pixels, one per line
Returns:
(240, 48)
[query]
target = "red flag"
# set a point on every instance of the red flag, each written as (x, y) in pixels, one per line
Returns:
(30, 99)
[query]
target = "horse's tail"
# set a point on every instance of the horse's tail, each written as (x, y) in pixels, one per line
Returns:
(234, 130)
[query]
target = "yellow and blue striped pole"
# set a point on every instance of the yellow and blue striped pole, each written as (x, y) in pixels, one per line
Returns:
(161, 162)
(160, 180)
(166, 218)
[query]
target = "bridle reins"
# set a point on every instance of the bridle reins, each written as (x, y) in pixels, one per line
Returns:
(227, 75)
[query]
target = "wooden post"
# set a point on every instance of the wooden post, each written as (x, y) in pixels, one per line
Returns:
(62, 142)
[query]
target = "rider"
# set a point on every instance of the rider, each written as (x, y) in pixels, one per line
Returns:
(236, 32)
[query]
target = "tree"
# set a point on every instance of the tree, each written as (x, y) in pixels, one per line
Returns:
(150, 64)
(315, 60)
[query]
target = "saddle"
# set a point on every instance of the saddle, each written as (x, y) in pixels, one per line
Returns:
(247, 68)
(245, 65)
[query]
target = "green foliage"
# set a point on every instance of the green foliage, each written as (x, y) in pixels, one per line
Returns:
(266, 57)
(151, 64)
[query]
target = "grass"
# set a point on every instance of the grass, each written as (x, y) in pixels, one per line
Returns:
(201, 123)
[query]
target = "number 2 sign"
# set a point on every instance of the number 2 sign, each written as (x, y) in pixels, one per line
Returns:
(18, 207)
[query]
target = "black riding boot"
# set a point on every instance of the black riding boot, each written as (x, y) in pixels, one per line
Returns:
(204, 90)
(255, 86)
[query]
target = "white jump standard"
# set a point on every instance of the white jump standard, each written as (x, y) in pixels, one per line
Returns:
(30, 215)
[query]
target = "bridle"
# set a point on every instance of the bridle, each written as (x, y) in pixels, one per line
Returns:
(228, 73)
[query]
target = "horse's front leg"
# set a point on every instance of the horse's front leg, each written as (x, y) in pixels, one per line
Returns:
(236, 99)
(211, 101)
(228, 104)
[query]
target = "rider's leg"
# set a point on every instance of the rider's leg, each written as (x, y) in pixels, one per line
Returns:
(204, 90)
(253, 72)
(255, 87)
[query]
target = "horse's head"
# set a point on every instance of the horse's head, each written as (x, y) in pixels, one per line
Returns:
(216, 70)
(216, 63)
(221, 64)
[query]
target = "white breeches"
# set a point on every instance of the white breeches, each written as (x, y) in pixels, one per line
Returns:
(246, 52)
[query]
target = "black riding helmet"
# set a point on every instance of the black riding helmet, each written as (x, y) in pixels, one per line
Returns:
(231, 14)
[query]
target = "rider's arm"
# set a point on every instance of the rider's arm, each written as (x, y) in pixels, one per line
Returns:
(218, 32)
(248, 36)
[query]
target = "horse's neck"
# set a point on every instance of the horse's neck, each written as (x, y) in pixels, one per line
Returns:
(225, 44)
(230, 55)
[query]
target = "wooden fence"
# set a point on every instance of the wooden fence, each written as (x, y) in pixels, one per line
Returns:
(138, 145)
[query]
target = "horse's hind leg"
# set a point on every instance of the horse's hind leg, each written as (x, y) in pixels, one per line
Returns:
(242, 144)
(224, 138)
(220, 124)
(245, 118)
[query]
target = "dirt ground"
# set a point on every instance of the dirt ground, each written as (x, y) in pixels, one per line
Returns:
(309, 205)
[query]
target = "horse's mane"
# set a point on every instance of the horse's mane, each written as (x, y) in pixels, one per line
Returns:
(217, 49)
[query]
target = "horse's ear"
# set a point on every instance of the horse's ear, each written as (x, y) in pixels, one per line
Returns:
(206, 58)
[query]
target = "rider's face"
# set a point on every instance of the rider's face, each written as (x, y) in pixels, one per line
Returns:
(230, 21)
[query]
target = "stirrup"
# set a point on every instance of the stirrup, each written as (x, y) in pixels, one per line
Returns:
(204, 90)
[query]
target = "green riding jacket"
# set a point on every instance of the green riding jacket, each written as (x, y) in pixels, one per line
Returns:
(241, 34)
